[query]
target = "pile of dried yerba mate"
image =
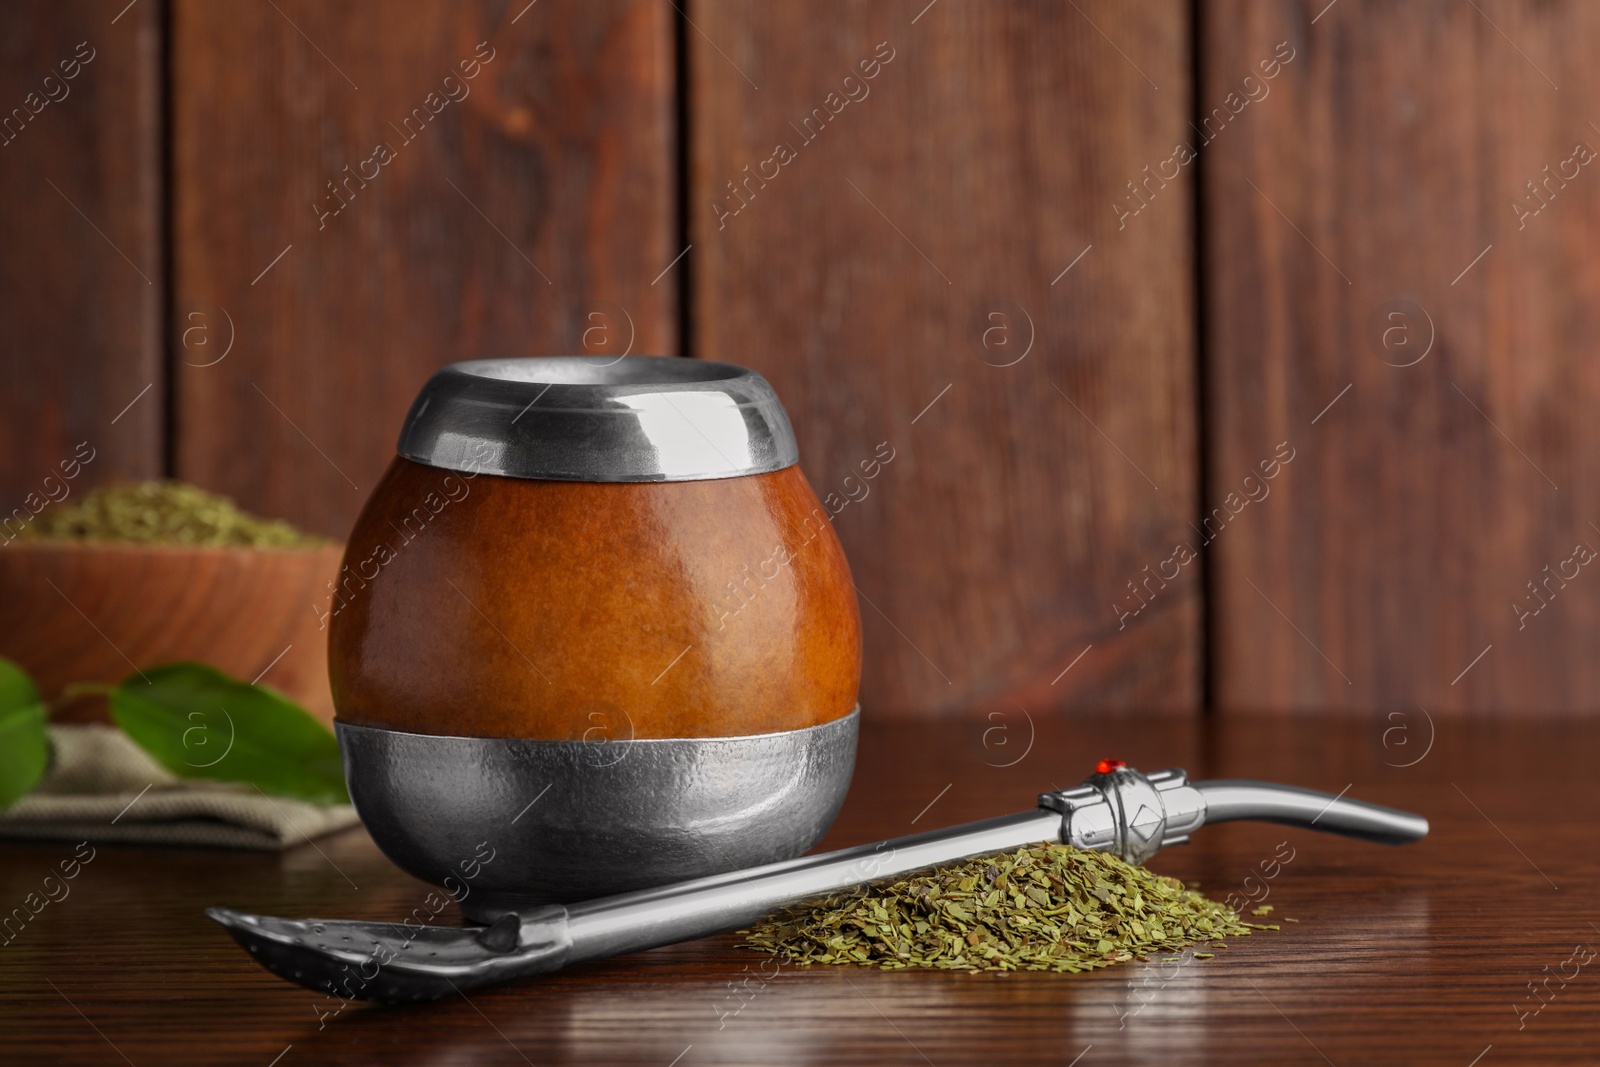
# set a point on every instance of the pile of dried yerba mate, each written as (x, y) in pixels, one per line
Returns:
(1049, 907)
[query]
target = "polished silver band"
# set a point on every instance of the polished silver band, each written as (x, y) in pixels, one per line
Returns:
(599, 419)
(507, 823)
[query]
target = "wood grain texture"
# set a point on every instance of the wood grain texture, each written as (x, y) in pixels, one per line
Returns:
(81, 284)
(483, 606)
(1416, 955)
(1373, 244)
(885, 203)
(98, 613)
(521, 211)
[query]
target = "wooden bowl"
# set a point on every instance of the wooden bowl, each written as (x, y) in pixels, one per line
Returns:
(86, 612)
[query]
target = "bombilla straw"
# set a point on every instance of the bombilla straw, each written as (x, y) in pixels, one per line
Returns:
(1231, 799)
(1116, 810)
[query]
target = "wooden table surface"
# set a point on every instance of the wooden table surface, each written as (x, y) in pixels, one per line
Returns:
(1417, 955)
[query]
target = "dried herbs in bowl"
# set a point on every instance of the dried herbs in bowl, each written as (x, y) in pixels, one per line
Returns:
(163, 513)
(1049, 907)
(162, 572)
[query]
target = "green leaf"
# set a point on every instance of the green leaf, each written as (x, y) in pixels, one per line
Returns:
(24, 744)
(200, 723)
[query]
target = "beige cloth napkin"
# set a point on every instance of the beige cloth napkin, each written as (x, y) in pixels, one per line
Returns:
(103, 787)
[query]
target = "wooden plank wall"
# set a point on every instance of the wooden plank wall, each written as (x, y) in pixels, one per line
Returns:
(962, 232)
(882, 206)
(81, 268)
(510, 191)
(1372, 243)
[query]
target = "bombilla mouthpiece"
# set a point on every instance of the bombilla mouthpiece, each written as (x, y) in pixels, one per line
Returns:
(1229, 799)
(1134, 815)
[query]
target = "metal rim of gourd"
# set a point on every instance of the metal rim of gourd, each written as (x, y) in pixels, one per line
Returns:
(599, 419)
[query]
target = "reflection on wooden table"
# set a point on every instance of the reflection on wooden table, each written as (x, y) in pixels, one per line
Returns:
(1420, 954)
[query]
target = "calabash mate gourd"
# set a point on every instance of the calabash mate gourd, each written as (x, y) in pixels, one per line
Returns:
(530, 642)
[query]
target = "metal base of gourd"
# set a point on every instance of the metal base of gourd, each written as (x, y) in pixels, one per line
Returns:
(503, 824)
